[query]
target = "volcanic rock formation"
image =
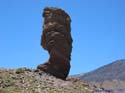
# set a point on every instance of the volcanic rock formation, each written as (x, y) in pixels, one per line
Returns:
(56, 39)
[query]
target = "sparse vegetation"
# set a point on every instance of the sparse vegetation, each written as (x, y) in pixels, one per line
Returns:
(23, 80)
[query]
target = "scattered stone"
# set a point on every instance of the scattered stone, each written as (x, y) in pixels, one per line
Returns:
(33, 82)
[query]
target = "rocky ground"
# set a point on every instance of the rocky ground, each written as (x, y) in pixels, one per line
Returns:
(25, 80)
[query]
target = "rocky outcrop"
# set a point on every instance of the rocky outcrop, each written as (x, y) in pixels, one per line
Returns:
(56, 39)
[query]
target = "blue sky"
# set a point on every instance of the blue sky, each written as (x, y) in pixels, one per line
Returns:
(98, 31)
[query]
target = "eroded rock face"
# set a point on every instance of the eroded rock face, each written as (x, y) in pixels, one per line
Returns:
(56, 39)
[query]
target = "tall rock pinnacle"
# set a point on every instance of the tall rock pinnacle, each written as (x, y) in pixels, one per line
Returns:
(56, 39)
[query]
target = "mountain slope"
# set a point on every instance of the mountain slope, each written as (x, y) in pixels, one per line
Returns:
(113, 71)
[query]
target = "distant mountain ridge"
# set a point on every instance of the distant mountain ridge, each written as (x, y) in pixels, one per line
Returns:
(112, 71)
(77, 75)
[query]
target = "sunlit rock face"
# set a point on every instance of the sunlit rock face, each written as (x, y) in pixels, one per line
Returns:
(56, 39)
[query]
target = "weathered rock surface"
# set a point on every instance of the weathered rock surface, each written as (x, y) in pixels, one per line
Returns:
(56, 39)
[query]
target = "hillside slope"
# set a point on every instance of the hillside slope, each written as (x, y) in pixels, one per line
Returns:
(25, 80)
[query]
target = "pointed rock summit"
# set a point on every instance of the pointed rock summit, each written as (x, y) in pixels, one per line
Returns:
(56, 39)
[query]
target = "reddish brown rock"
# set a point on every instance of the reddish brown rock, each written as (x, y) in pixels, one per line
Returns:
(56, 39)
